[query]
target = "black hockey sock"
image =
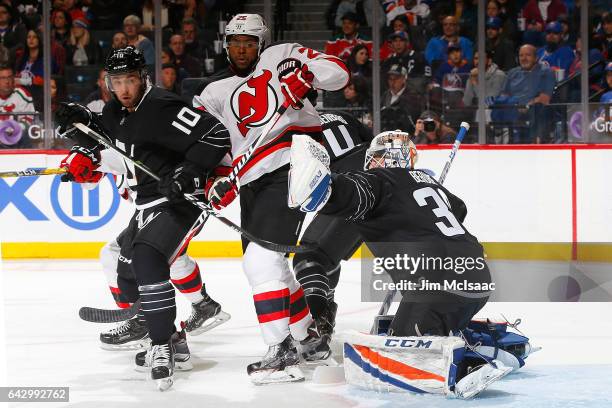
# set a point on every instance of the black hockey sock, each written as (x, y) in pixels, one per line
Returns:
(314, 282)
(156, 292)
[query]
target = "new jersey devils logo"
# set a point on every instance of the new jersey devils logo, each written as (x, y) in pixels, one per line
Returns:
(254, 102)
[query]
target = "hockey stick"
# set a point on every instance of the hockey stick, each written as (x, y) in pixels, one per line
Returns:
(91, 314)
(233, 177)
(463, 129)
(272, 246)
(31, 172)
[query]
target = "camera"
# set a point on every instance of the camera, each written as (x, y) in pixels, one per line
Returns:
(429, 125)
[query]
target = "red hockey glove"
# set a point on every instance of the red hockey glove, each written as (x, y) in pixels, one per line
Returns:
(295, 85)
(220, 192)
(81, 164)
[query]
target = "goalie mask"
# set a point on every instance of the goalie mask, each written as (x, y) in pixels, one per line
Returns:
(391, 149)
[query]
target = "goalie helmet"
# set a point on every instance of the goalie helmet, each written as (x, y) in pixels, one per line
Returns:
(391, 149)
(248, 24)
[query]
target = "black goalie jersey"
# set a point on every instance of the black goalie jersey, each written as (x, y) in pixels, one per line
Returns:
(162, 132)
(346, 139)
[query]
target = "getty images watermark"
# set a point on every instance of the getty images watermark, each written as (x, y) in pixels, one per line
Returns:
(503, 272)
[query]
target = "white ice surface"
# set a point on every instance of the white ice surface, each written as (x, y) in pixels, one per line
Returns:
(47, 345)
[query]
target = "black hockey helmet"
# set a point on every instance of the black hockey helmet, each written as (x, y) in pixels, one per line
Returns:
(123, 60)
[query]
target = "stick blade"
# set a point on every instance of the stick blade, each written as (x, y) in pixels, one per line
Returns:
(94, 315)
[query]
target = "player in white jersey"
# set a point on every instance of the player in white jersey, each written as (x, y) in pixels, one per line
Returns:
(264, 78)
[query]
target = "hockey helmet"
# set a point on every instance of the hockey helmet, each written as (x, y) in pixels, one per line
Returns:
(248, 24)
(391, 149)
(122, 61)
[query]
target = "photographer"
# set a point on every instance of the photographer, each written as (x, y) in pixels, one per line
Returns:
(429, 129)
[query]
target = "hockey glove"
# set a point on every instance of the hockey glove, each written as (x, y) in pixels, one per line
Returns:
(81, 164)
(309, 176)
(296, 84)
(187, 178)
(220, 192)
(69, 113)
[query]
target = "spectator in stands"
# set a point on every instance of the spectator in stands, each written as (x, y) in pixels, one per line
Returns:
(96, 100)
(607, 35)
(131, 28)
(168, 79)
(80, 50)
(595, 73)
(507, 27)
(429, 129)
(356, 94)
(61, 24)
(167, 57)
(182, 59)
(500, 48)
(5, 55)
(359, 62)
(557, 56)
(119, 40)
(58, 52)
(410, 9)
(12, 33)
(544, 11)
(58, 91)
(435, 53)
(530, 87)
(189, 30)
(399, 107)
(343, 43)
(418, 70)
(29, 61)
(71, 7)
(495, 79)
(13, 99)
(452, 74)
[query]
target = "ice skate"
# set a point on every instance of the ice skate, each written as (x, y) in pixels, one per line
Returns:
(182, 357)
(129, 335)
(315, 347)
(162, 365)
(205, 315)
(279, 365)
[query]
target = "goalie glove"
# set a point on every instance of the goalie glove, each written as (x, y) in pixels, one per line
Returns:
(295, 81)
(309, 176)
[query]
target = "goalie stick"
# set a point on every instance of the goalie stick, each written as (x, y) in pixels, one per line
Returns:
(272, 246)
(386, 305)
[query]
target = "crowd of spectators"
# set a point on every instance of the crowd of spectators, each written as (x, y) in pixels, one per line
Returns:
(82, 33)
(429, 61)
(427, 53)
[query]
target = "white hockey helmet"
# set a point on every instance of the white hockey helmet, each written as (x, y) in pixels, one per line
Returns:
(391, 149)
(248, 24)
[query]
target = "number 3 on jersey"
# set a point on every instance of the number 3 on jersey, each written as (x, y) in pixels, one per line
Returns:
(186, 117)
(441, 211)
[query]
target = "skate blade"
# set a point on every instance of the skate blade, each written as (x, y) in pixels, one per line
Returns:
(164, 384)
(135, 345)
(217, 320)
(178, 366)
(472, 390)
(327, 361)
(289, 374)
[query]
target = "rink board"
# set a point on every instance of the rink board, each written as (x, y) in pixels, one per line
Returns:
(559, 195)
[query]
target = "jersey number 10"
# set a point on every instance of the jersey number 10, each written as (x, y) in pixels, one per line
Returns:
(187, 117)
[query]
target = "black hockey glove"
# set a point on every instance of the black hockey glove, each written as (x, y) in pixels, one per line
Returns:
(69, 113)
(187, 178)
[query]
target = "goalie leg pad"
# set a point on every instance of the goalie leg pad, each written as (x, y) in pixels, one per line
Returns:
(425, 364)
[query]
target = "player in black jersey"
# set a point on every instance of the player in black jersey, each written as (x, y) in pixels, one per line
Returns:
(346, 140)
(178, 143)
(391, 202)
